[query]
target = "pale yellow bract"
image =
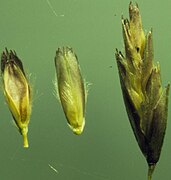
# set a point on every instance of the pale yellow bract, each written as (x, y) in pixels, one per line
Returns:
(71, 88)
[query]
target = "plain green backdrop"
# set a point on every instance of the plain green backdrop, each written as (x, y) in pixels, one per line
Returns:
(107, 149)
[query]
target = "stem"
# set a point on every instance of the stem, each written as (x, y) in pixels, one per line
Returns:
(25, 139)
(151, 168)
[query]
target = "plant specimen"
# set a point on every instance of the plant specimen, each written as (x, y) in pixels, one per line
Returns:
(16, 91)
(145, 99)
(71, 88)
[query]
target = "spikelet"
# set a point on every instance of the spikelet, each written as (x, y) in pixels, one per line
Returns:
(71, 88)
(145, 99)
(16, 91)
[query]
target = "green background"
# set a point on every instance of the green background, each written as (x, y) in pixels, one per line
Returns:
(107, 149)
